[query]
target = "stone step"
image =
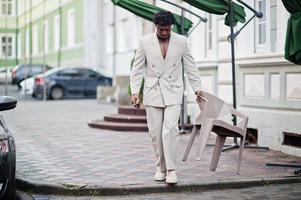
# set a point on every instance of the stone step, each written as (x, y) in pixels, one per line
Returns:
(130, 110)
(125, 118)
(124, 126)
(118, 126)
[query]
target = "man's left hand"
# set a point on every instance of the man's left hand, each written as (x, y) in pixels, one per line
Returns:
(199, 96)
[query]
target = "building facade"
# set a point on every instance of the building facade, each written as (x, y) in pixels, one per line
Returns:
(55, 32)
(8, 32)
(96, 34)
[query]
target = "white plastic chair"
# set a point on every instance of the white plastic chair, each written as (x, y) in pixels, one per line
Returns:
(209, 120)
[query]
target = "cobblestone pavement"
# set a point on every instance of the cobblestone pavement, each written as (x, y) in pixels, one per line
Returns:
(273, 192)
(56, 146)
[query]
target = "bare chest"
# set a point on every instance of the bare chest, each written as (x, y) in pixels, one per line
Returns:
(164, 48)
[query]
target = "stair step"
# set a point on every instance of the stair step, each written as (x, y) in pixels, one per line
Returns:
(125, 118)
(130, 110)
(118, 126)
(124, 126)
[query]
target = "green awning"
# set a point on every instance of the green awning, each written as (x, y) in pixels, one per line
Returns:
(147, 11)
(293, 32)
(220, 7)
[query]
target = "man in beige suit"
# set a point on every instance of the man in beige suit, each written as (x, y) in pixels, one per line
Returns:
(159, 60)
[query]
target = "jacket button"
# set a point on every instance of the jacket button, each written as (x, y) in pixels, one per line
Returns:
(174, 65)
(153, 65)
(169, 77)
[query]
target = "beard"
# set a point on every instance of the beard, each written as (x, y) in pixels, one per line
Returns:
(163, 39)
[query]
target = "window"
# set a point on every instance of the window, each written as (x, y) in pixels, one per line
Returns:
(273, 25)
(109, 38)
(71, 28)
(57, 32)
(36, 69)
(124, 40)
(6, 7)
(46, 37)
(27, 44)
(19, 45)
(71, 73)
(209, 32)
(261, 23)
(35, 40)
(6, 46)
(209, 40)
(93, 75)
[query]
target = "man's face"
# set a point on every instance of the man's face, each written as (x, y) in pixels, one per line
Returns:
(163, 32)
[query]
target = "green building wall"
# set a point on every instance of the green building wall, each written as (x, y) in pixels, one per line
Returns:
(35, 16)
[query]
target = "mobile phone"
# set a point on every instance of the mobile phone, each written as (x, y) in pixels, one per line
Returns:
(136, 105)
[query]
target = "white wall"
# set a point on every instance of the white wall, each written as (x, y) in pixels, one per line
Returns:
(129, 30)
(93, 33)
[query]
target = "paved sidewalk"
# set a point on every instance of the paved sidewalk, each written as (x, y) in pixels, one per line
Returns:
(57, 151)
(267, 192)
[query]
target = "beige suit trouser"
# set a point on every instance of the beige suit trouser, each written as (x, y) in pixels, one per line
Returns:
(162, 125)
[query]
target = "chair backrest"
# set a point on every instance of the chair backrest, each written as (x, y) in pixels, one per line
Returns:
(214, 107)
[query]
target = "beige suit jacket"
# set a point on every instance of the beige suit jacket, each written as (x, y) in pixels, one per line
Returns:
(163, 84)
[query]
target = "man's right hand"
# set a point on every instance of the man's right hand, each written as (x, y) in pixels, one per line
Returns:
(135, 100)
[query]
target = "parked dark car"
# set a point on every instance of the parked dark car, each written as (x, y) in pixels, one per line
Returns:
(7, 154)
(69, 82)
(21, 72)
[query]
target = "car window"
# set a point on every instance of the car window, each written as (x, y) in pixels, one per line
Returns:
(48, 67)
(23, 70)
(70, 73)
(36, 69)
(93, 74)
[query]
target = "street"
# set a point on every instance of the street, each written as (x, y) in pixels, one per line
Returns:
(12, 90)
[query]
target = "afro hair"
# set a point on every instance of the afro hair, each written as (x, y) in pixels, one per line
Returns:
(164, 18)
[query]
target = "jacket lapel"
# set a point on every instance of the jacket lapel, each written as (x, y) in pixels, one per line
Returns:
(157, 49)
(170, 48)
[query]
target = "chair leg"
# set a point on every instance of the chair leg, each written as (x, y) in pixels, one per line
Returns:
(193, 133)
(204, 134)
(242, 143)
(219, 144)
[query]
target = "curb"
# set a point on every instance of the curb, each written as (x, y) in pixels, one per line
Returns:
(54, 189)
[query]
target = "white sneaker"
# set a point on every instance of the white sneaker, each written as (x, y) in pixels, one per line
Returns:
(160, 176)
(171, 177)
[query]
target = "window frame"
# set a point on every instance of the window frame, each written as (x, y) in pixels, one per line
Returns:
(56, 32)
(35, 40)
(12, 45)
(262, 47)
(71, 39)
(46, 36)
(12, 7)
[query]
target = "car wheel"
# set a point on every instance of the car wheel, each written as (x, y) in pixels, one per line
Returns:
(56, 93)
